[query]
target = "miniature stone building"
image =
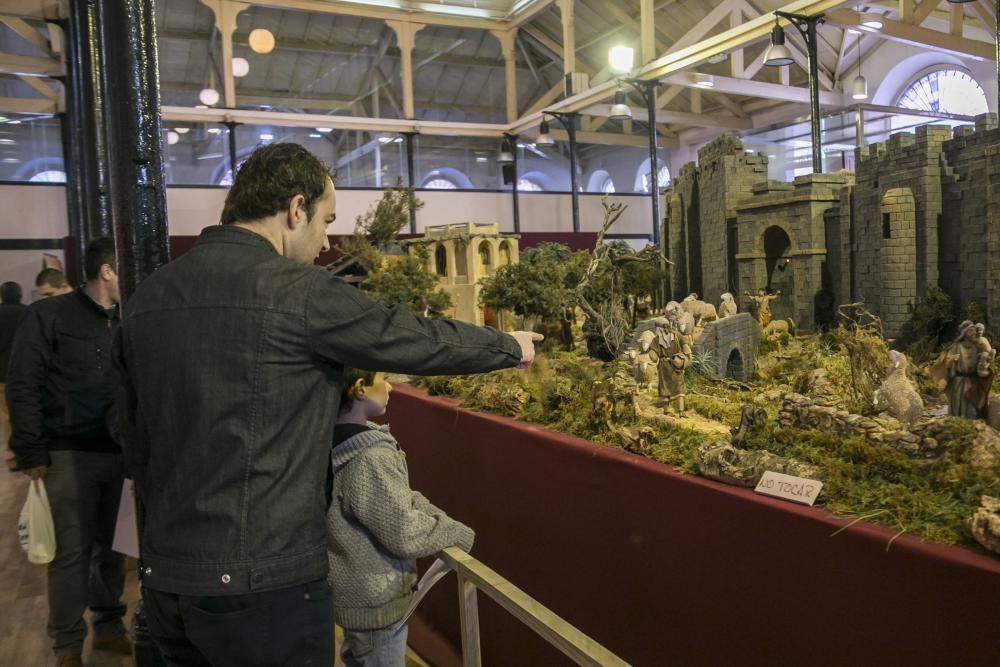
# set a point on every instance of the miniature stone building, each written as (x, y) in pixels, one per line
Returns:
(917, 213)
(461, 254)
(731, 344)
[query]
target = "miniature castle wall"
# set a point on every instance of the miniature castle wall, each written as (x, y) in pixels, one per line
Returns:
(921, 210)
(701, 204)
(797, 210)
(732, 345)
(970, 238)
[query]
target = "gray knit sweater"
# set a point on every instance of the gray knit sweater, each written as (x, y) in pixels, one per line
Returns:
(376, 527)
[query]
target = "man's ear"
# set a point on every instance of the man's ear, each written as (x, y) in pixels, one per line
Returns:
(297, 211)
(106, 272)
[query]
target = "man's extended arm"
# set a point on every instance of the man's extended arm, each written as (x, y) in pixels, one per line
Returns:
(29, 360)
(346, 326)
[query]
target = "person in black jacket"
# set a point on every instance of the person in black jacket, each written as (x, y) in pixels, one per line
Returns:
(59, 393)
(231, 367)
(10, 312)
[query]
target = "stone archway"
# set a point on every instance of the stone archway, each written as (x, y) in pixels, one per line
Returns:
(780, 270)
(734, 365)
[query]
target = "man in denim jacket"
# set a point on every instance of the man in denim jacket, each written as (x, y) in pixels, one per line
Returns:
(231, 363)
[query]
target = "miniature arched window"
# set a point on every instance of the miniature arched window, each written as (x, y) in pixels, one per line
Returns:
(441, 260)
(528, 185)
(485, 253)
(946, 90)
(505, 254)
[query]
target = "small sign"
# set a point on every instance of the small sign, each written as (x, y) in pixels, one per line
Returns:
(787, 487)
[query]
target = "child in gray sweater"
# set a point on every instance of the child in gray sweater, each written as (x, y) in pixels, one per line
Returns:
(376, 526)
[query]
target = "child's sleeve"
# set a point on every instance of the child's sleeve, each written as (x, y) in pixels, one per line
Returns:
(403, 522)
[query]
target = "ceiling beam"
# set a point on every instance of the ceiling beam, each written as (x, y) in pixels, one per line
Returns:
(758, 89)
(24, 105)
(676, 117)
(914, 35)
(29, 66)
(26, 32)
(371, 11)
(612, 139)
(33, 9)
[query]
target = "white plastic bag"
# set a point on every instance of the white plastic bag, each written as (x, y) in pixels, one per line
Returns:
(35, 528)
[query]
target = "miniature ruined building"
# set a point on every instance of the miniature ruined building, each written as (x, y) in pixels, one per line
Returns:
(461, 254)
(917, 213)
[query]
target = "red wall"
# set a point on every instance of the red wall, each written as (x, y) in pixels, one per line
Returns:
(663, 568)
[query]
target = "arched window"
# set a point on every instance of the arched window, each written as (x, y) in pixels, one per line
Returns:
(528, 185)
(945, 91)
(49, 176)
(642, 178)
(440, 184)
(485, 253)
(505, 254)
(608, 187)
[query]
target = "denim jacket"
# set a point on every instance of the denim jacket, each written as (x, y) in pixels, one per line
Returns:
(230, 361)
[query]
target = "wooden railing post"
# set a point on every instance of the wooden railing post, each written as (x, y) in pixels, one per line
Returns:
(468, 606)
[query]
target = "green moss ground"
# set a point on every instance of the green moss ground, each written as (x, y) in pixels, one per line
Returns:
(861, 479)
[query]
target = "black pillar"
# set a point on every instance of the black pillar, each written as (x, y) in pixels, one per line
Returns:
(410, 178)
(649, 92)
(84, 152)
(817, 140)
(570, 122)
(138, 199)
(231, 135)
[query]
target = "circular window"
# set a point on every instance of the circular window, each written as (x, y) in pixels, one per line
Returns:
(945, 91)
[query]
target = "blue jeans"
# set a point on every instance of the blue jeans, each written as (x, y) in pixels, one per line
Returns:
(84, 490)
(375, 648)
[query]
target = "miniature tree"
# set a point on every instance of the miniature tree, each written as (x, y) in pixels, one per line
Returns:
(618, 265)
(535, 288)
(400, 280)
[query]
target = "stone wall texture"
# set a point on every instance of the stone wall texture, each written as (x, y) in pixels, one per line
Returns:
(732, 343)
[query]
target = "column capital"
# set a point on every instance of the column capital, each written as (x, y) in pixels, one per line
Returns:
(406, 32)
(506, 39)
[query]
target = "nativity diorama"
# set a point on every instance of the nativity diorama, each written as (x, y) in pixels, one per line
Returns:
(838, 328)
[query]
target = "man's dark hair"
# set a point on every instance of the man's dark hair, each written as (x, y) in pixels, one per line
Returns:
(352, 375)
(51, 277)
(270, 177)
(10, 292)
(99, 252)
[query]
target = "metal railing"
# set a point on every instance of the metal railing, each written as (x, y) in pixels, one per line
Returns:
(474, 576)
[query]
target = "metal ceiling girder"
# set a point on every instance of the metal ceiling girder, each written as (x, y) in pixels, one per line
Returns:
(680, 60)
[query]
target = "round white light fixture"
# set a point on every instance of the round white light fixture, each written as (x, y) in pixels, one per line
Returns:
(209, 96)
(182, 130)
(777, 54)
(261, 40)
(266, 137)
(544, 138)
(214, 130)
(173, 137)
(324, 130)
(620, 110)
(241, 67)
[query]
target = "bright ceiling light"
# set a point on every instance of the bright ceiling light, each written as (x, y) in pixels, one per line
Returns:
(173, 137)
(214, 130)
(209, 96)
(544, 138)
(324, 130)
(777, 53)
(871, 21)
(621, 59)
(385, 140)
(620, 110)
(313, 135)
(266, 137)
(261, 40)
(241, 67)
(182, 130)
(703, 80)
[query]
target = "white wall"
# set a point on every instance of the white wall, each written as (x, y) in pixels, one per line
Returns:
(30, 212)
